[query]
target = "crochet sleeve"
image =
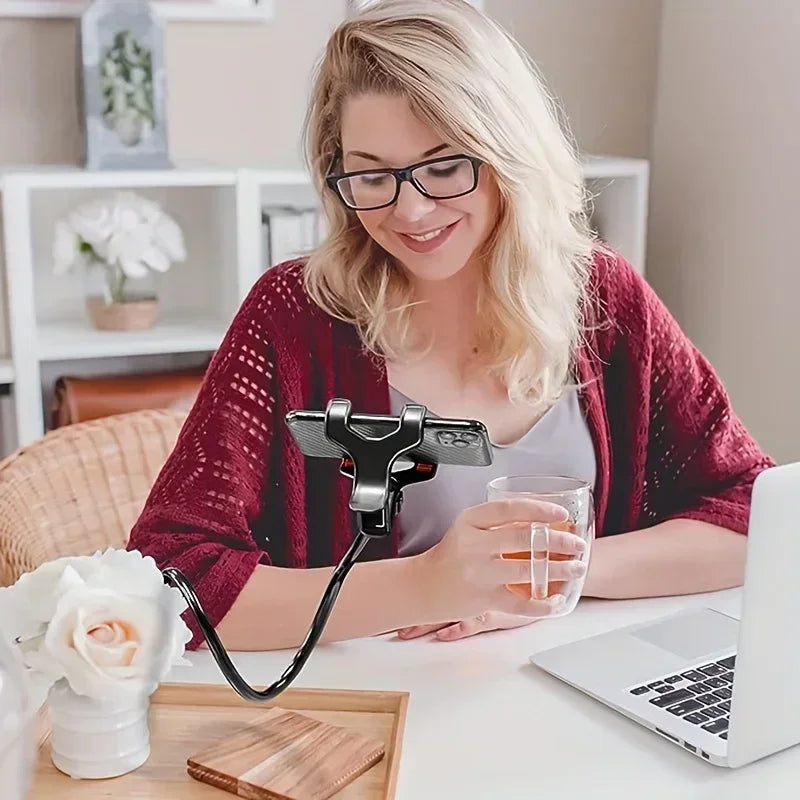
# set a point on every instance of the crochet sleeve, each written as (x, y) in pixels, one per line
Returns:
(200, 513)
(699, 460)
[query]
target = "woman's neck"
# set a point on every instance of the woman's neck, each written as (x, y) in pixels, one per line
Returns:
(447, 313)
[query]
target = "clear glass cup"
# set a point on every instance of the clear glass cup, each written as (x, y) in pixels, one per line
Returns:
(17, 720)
(576, 497)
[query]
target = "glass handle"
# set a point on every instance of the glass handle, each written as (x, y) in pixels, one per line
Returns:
(540, 555)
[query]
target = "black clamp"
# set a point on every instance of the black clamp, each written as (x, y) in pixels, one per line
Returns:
(377, 493)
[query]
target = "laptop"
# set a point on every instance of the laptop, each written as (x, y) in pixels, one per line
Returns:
(725, 689)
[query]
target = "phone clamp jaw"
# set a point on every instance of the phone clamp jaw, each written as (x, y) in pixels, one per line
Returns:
(377, 493)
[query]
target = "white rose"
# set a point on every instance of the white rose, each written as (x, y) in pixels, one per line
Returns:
(92, 222)
(65, 248)
(106, 644)
(127, 248)
(147, 211)
(107, 623)
(155, 259)
(128, 230)
(28, 605)
(169, 239)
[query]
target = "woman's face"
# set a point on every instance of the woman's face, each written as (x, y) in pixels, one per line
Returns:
(433, 239)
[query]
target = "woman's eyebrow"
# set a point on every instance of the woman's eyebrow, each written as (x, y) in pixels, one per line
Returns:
(371, 157)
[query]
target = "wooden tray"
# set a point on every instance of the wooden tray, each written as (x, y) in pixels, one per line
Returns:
(185, 717)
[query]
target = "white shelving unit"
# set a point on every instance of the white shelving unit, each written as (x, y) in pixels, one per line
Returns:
(621, 189)
(170, 10)
(219, 211)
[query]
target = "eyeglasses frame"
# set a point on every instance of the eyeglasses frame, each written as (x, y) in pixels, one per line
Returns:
(405, 174)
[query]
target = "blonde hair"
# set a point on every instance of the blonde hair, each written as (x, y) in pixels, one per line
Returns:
(468, 79)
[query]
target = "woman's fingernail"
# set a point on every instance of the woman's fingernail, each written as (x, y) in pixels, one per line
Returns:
(580, 546)
(577, 569)
(445, 633)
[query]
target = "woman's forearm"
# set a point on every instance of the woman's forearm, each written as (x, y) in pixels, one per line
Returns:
(276, 606)
(680, 556)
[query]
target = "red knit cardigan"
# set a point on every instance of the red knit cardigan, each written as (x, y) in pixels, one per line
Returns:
(236, 491)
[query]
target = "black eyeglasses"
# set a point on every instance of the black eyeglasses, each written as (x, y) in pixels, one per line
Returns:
(439, 178)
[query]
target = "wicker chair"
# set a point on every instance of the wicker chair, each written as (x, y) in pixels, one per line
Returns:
(80, 488)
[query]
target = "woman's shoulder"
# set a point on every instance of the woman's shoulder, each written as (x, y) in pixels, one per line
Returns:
(282, 289)
(279, 309)
(612, 276)
(278, 301)
(618, 295)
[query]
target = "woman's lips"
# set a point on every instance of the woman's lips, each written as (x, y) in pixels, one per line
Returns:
(433, 239)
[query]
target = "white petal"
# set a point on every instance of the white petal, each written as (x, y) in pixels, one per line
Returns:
(133, 268)
(169, 238)
(92, 222)
(65, 248)
(155, 259)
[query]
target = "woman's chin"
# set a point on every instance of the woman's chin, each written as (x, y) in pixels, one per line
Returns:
(432, 270)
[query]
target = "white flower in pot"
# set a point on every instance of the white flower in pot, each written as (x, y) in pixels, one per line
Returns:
(97, 634)
(128, 237)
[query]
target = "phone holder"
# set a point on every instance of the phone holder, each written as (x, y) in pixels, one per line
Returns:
(376, 499)
(377, 494)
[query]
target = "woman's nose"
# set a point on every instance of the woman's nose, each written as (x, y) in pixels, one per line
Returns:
(411, 205)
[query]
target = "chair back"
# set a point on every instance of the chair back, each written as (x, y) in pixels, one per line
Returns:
(80, 488)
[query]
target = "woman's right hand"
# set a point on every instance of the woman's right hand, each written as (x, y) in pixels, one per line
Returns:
(465, 574)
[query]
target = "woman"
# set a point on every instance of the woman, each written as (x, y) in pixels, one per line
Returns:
(460, 272)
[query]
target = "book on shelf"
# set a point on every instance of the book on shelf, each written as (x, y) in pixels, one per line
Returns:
(290, 232)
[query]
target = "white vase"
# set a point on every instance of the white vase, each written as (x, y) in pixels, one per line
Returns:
(97, 738)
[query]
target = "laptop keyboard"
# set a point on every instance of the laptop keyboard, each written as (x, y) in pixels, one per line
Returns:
(701, 695)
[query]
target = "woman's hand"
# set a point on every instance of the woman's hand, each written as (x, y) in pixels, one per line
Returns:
(449, 631)
(465, 573)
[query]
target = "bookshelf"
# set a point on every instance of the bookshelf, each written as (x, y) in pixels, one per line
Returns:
(45, 331)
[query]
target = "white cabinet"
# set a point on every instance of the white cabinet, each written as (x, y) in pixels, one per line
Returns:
(220, 213)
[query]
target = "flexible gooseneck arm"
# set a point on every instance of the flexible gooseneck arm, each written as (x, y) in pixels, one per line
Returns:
(376, 499)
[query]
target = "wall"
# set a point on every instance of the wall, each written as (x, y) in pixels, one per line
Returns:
(600, 58)
(237, 91)
(724, 204)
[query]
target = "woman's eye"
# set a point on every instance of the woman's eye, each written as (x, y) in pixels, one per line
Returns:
(442, 172)
(372, 180)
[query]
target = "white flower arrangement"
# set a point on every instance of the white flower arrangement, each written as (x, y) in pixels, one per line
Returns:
(105, 624)
(127, 234)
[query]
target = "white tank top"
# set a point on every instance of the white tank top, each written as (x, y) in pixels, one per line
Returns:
(560, 443)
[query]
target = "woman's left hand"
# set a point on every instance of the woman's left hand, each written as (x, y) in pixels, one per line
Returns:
(448, 631)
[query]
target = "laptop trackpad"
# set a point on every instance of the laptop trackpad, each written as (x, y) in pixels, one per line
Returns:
(691, 635)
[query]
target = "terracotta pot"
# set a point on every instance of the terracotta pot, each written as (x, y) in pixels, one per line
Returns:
(135, 315)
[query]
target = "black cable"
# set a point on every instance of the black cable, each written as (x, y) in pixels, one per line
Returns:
(174, 577)
(376, 499)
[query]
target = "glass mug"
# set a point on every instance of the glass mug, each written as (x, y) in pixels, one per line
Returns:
(576, 497)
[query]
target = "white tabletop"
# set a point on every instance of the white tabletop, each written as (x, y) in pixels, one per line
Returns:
(483, 723)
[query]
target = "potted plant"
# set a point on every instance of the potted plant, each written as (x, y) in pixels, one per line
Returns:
(96, 634)
(118, 240)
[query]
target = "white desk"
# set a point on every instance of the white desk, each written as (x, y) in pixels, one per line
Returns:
(483, 723)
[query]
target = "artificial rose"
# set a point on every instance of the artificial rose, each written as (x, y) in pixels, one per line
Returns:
(107, 623)
(93, 221)
(65, 248)
(126, 233)
(168, 238)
